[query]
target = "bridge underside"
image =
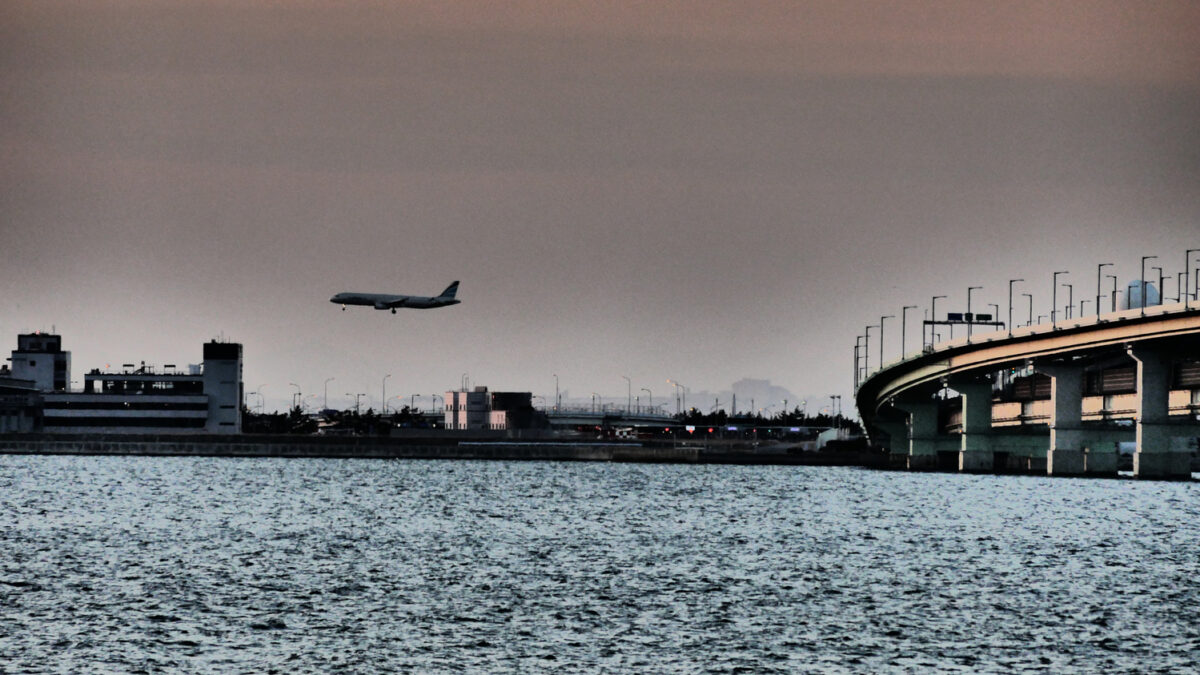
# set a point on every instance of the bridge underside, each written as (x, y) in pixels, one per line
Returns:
(1068, 412)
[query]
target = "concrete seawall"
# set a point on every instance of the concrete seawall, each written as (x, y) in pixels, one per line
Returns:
(392, 448)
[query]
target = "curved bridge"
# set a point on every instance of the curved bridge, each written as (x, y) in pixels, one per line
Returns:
(903, 405)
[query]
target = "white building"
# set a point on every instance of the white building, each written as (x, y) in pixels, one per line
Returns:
(481, 409)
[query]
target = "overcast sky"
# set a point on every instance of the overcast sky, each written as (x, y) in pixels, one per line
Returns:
(701, 191)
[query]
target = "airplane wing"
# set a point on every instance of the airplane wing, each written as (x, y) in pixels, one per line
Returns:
(393, 302)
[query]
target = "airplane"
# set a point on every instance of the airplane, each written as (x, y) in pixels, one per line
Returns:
(392, 302)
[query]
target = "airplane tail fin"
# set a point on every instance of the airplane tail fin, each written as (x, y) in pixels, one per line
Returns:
(450, 291)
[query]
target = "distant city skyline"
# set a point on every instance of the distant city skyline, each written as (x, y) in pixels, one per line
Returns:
(699, 191)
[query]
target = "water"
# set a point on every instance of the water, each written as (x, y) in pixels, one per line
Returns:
(152, 564)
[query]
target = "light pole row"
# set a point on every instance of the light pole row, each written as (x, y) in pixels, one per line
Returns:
(1184, 292)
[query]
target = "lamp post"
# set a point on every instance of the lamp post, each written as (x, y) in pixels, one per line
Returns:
(383, 393)
(679, 403)
(1099, 267)
(1180, 290)
(295, 396)
(1070, 298)
(1054, 299)
(628, 394)
(889, 316)
(1160, 284)
(650, 400)
(1114, 290)
(970, 316)
(995, 310)
(1142, 295)
(1187, 265)
(933, 315)
(356, 398)
(1082, 307)
(327, 381)
(904, 325)
(1029, 321)
(857, 350)
(1010, 286)
(867, 351)
(556, 397)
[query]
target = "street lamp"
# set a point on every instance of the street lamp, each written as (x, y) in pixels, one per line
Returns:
(1098, 268)
(970, 316)
(867, 350)
(1054, 299)
(933, 316)
(889, 316)
(1070, 298)
(327, 381)
(1114, 290)
(1029, 321)
(1083, 307)
(356, 398)
(1142, 295)
(650, 394)
(383, 393)
(858, 358)
(1160, 284)
(556, 396)
(628, 394)
(1010, 286)
(1187, 256)
(904, 325)
(678, 405)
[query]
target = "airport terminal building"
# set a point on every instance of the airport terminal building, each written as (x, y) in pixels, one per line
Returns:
(201, 398)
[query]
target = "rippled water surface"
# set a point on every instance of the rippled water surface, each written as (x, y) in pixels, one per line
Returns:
(152, 564)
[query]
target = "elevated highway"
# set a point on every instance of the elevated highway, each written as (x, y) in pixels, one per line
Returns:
(903, 404)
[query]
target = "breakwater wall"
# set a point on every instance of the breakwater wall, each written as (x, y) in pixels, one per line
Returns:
(394, 448)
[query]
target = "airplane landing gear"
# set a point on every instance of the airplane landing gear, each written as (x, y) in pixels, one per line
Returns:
(393, 310)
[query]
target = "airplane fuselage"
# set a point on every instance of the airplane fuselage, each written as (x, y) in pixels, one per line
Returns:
(394, 302)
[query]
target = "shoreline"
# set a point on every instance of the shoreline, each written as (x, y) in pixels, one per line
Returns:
(367, 447)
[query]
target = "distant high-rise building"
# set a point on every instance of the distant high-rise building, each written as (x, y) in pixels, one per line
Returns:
(1133, 295)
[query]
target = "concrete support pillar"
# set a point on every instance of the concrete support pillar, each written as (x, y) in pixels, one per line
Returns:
(1065, 457)
(975, 453)
(897, 432)
(922, 434)
(1154, 456)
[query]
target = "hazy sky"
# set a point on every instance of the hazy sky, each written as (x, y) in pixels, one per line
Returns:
(701, 191)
